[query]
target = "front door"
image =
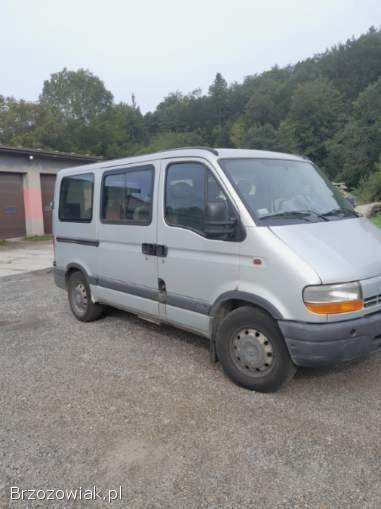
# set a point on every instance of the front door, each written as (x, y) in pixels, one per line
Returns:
(194, 267)
(127, 232)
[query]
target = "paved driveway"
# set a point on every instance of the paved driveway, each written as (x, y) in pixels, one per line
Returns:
(124, 402)
(23, 256)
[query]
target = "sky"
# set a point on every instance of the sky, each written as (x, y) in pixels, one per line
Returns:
(153, 48)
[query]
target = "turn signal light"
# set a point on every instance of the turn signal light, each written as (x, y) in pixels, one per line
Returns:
(333, 308)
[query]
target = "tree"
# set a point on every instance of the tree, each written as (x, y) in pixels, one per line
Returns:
(263, 137)
(353, 66)
(29, 124)
(327, 107)
(219, 99)
(237, 133)
(354, 149)
(169, 140)
(118, 132)
(370, 188)
(77, 95)
(269, 98)
(316, 113)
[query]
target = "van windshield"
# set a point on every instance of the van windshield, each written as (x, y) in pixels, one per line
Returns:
(280, 191)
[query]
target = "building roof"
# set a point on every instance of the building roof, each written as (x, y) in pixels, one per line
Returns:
(48, 154)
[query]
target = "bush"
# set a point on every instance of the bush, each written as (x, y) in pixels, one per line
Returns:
(370, 188)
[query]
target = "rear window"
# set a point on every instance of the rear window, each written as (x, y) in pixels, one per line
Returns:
(76, 198)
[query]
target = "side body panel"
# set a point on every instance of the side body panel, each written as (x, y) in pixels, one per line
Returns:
(270, 270)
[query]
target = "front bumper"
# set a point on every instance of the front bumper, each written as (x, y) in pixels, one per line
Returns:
(319, 344)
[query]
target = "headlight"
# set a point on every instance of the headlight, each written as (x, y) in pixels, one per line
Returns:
(333, 299)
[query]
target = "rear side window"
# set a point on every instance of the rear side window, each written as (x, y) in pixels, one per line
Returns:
(76, 198)
(127, 196)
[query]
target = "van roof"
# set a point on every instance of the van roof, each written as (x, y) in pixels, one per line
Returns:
(204, 152)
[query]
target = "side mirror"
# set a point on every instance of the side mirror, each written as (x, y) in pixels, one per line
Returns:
(216, 211)
(219, 223)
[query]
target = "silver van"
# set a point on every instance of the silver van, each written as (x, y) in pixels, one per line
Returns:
(254, 250)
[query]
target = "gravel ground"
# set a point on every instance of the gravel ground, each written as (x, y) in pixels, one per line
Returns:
(124, 402)
(21, 256)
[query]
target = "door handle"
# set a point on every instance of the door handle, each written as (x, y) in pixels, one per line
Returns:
(161, 250)
(149, 249)
(155, 250)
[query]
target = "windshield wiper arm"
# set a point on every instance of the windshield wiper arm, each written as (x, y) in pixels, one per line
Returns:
(288, 214)
(296, 213)
(339, 211)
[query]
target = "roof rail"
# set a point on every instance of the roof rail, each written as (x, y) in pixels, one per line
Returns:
(209, 149)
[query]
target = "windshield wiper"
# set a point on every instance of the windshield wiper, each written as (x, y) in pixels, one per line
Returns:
(288, 214)
(340, 212)
(295, 213)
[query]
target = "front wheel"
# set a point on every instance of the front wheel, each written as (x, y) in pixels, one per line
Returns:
(252, 350)
(81, 304)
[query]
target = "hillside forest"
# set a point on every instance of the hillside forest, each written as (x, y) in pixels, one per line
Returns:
(327, 107)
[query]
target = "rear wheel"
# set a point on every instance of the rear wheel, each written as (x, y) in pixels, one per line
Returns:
(81, 304)
(252, 350)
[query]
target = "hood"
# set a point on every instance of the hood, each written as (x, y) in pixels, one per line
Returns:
(339, 251)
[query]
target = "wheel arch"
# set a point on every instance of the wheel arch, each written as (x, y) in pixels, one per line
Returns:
(75, 267)
(232, 300)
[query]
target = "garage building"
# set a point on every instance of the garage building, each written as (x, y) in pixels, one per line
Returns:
(27, 178)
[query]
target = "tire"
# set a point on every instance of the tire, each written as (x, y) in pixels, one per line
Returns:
(252, 350)
(81, 304)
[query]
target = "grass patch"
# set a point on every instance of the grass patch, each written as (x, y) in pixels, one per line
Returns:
(39, 237)
(3, 243)
(377, 220)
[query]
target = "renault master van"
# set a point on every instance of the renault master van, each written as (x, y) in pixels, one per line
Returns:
(254, 250)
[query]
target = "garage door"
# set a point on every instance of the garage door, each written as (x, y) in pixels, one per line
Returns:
(47, 195)
(12, 210)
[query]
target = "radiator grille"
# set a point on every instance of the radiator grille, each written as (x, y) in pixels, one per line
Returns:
(375, 300)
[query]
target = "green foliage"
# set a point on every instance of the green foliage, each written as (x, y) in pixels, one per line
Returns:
(370, 188)
(269, 96)
(327, 107)
(377, 220)
(237, 134)
(117, 132)
(77, 95)
(316, 113)
(169, 140)
(354, 149)
(28, 124)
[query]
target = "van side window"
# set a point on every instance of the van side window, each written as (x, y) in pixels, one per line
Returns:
(76, 198)
(127, 196)
(189, 188)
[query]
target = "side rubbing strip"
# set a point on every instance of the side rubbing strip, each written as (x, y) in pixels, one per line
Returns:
(84, 242)
(153, 294)
(139, 291)
(197, 306)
